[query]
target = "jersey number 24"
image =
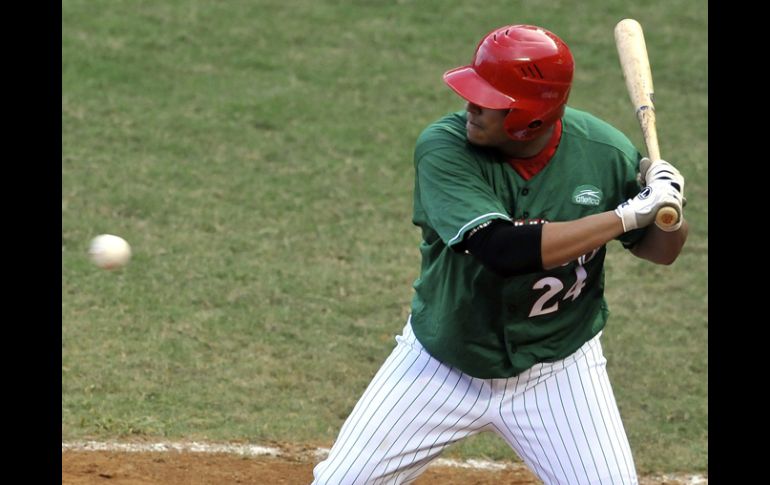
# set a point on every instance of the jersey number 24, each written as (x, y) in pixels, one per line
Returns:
(555, 286)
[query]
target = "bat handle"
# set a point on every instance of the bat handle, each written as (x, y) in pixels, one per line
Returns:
(646, 117)
(668, 215)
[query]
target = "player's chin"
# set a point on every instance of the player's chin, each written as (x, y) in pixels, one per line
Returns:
(475, 135)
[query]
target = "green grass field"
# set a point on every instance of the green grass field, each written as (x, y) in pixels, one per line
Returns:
(258, 157)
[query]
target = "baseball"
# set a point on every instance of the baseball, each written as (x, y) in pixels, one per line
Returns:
(109, 252)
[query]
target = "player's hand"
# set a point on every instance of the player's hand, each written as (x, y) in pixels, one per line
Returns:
(642, 209)
(661, 170)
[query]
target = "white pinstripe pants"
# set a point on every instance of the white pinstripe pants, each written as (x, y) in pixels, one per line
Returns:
(561, 419)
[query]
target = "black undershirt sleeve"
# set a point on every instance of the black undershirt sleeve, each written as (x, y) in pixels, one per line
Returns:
(505, 249)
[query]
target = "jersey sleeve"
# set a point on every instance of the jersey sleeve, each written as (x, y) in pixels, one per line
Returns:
(452, 194)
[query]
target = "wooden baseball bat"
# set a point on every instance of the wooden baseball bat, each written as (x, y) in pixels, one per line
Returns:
(635, 63)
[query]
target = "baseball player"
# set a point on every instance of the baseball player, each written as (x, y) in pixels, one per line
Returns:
(516, 196)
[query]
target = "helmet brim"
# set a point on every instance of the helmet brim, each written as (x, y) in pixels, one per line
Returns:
(472, 87)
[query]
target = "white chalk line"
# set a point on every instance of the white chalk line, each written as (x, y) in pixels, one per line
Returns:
(189, 447)
(319, 453)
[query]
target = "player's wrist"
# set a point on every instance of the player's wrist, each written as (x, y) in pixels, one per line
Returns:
(623, 216)
(628, 217)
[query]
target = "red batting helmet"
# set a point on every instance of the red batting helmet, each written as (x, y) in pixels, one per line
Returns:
(523, 68)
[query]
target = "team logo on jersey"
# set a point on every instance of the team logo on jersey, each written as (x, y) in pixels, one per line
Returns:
(587, 195)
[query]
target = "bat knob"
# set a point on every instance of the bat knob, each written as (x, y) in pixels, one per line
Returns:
(667, 216)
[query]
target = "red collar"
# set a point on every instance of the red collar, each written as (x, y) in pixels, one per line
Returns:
(529, 167)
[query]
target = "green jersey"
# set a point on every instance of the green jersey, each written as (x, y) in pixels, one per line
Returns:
(469, 317)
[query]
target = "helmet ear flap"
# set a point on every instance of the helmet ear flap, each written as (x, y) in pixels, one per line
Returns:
(521, 124)
(535, 124)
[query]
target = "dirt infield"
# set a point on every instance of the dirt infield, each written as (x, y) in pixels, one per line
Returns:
(114, 468)
(190, 468)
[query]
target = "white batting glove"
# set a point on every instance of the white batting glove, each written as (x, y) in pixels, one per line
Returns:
(651, 171)
(642, 209)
